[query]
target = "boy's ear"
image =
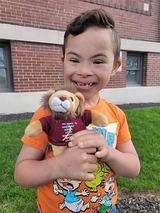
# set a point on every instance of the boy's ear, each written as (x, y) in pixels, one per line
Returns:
(62, 58)
(115, 67)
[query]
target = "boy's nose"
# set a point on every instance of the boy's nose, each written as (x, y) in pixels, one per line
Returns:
(85, 71)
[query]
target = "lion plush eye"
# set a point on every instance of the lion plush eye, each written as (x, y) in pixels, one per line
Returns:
(72, 99)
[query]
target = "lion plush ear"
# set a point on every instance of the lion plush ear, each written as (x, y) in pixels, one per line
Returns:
(79, 96)
(50, 92)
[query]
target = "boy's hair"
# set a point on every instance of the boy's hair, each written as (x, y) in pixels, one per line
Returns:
(94, 18)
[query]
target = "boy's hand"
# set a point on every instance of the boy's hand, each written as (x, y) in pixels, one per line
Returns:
(77, 164)
(91, 139)
(123, 160)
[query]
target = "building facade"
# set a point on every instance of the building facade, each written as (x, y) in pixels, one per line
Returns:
(31, 37)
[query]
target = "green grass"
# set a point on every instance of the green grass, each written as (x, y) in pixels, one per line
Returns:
(144, 125)
(145, 130)
(13, 199)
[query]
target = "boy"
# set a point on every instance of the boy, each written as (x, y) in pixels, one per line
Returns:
(82, 178)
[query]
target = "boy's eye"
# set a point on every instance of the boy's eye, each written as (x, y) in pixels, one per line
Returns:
(98, 62)
(74, 60)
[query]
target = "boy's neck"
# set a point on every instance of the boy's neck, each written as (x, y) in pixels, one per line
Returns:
(89, 103)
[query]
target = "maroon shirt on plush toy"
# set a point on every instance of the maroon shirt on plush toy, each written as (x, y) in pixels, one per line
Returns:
(59, 131)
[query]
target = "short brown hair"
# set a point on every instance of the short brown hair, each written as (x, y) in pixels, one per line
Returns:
(90, 18)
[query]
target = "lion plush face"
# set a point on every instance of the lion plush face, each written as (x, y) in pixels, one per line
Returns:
(63, 104)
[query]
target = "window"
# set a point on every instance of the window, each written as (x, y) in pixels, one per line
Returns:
(134, 69)
(6, 79)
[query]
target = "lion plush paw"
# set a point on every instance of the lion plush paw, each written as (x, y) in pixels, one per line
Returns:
(33, 129)
(99, 119)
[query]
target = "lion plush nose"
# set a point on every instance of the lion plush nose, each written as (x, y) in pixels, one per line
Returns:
(62, 98)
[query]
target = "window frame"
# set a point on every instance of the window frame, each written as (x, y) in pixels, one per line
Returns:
(8, 66)
(139, 70)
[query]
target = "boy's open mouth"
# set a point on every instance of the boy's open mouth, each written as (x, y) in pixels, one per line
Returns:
(84, 84)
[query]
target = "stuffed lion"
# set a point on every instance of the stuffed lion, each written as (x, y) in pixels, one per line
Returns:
(67, 116)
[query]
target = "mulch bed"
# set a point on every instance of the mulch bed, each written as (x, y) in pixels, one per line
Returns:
(138, 202)
(28, 115)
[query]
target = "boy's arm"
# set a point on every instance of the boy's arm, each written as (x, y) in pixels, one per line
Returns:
(123, 160)
(74, 163)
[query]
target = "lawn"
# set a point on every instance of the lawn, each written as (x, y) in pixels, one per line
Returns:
(13, 199)
(144, 125)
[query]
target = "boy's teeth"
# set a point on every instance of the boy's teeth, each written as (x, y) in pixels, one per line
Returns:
(86, 85)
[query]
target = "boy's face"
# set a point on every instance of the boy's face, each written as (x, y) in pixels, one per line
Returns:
(89, 62)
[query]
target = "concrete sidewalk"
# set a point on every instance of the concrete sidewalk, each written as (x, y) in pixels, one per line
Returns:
(12, 103)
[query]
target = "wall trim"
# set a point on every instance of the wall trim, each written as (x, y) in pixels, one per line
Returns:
(30, 34)
(30, 101)
(38, 35)
(140, 46)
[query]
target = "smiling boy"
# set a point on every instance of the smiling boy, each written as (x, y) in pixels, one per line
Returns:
(91, 52)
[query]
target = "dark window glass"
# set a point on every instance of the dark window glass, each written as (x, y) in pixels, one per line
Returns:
(134, 69)
(6, 78)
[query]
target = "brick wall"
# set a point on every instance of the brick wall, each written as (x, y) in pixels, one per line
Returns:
(152, 74)
(54, 14)
(142, 7)
(119, 80)
(37, 67)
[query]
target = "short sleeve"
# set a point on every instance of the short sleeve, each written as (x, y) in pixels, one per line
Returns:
(124, 133)
(39, 141)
